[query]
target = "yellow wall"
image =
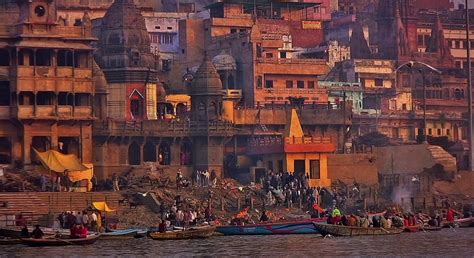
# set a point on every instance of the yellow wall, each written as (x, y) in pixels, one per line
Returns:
(370, 83)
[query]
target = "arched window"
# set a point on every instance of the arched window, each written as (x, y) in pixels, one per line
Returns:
(136, 105)
(230, 82)
(134, 154)
(457, 94)
(213, 111)
(202, 111)
(149, 152)
(164, 154)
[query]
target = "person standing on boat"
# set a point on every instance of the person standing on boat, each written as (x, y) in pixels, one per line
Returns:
(94, 222)
(37, 232)
(24, 232)
(85, 219)
(264, 217)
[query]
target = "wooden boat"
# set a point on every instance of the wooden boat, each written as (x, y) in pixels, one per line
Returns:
(15, 231)
(462, 223)
(119, 234)
(192, 233)
(9, 241)
(278, 228)
(338, 230)
(59, 241)
(414, 228)
(431, 228)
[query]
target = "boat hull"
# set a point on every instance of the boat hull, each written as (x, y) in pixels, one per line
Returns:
(297, 227)
(338, 230)
(196, 233)
(119, 234)
(60, 242)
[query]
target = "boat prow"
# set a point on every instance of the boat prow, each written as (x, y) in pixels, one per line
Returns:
(339, 230)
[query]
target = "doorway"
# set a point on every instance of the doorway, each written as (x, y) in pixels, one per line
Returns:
(300, 167)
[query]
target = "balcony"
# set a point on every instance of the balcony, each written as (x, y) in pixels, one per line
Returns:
(82, 112)
(5, 112)
(45, 111)
(268, 145)
(291, 61)
(64, 111)
(24, 112)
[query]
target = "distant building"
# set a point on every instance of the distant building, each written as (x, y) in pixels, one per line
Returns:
(47, 83)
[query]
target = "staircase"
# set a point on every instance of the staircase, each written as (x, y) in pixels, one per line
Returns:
(26, 202)
(42, 203)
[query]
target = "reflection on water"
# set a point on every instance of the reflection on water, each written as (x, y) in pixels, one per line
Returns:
(448, 242)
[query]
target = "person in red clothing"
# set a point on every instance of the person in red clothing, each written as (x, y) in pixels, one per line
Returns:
(82, 231)
(450, 215)
(74, 231)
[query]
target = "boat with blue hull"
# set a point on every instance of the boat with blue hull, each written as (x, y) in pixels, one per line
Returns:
(279, 228)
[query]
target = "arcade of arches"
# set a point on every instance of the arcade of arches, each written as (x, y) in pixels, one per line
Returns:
(160, 152)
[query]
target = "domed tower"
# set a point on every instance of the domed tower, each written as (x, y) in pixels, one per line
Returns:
(226, 66)
(206, 109)
(100, 98)
(206, 93)
(129, 66)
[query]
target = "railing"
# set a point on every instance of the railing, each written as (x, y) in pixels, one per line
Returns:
(162, 126)
(291, 61)
(272, 141)
(82, 112)
(307, 140)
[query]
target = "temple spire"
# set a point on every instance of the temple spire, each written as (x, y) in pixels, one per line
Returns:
(359, 46)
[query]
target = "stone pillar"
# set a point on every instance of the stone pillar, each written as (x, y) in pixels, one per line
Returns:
(26, 148)
(175, 152)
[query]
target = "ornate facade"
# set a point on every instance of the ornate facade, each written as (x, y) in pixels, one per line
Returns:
(46, 83)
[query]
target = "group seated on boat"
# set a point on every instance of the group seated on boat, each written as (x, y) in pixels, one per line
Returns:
(79, 231)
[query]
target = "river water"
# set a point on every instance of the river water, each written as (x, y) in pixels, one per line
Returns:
(445, 243)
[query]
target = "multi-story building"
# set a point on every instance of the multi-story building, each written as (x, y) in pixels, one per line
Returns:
(46, 83)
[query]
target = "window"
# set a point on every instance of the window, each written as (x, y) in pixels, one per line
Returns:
(448, 131)
(268, 84)
(310, 84)
(169, 28)
(165, 38)
(282, 54)
(233, 30)
(289, 84)
(430, 131)
(379, 82)
(457, 44)
(259, 82)
(404, 106)
(165, 65)
(314, 169)
(300, 84)
(420, 40)
(269, 55)
(458, 64)
(438, 131)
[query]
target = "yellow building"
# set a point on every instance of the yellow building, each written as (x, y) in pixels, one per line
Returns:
(295, 153)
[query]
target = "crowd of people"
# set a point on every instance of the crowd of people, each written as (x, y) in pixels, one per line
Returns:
(90, 220)
(288, 188)
(182, 214)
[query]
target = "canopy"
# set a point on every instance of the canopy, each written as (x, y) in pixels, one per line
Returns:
(58, 162)
(87, 174)
(101, 206)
